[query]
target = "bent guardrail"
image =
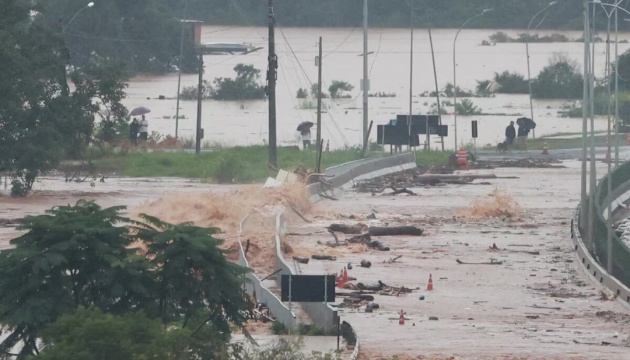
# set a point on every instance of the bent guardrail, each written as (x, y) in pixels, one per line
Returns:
(594, 257)
(281, 312)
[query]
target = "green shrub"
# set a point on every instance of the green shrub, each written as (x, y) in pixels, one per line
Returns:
(227, 169)
(278, 328)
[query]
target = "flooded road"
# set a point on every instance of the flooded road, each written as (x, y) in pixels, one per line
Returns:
(226, 123)
(537, 303)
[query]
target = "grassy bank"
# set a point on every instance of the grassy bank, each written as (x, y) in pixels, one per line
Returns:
(572, 143)
(242, 164)
(432, 158)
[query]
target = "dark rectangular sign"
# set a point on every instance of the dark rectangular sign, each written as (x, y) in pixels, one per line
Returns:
(308, 288)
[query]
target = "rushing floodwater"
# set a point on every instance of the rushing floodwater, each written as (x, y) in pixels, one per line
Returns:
(227, 123)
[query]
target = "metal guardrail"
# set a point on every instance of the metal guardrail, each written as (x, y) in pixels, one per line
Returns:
(593, 253)
(263, 294)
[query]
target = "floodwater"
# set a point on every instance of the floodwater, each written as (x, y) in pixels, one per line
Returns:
(245, 123)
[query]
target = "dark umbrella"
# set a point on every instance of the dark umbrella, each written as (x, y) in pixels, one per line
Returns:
(305, 126)
(527, 122)
(139, 111)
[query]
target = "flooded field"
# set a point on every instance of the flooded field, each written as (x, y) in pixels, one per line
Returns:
(242, 123)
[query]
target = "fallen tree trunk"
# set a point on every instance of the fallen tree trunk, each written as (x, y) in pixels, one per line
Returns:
(394, 230)
(360, 239)
(346, 229)
(401, 191)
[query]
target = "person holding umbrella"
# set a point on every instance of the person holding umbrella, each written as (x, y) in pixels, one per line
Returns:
(143, 129)
(133, 131)
(305, 131)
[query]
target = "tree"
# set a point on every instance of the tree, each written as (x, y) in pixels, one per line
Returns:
(83, 256)
(91, 334)
(194, 278)
(72, 256)
(41, 121)
(511, 83)
(560, 80)
(337, 88)
(244, 87)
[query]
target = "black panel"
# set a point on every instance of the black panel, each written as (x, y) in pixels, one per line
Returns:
(307, 288)
(474, 129)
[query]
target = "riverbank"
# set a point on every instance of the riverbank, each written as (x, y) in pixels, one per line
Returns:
(228, 165)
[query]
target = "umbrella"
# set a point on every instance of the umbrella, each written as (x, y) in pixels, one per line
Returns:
(527, 122)
(139, 111)
(305, 126)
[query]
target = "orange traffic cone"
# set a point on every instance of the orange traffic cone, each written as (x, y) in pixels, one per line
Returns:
(340, 281)
(430, 284)
(345, 275)
(401, 319)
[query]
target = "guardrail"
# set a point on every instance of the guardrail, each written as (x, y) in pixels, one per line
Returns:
(281, 312)
(593, 253)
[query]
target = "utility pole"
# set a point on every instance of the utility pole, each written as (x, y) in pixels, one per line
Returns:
(319, 102)
(437, 89)
(271, 88)
(585, 114)
(592, 173)
(179, 70)
(198, 135)
(410, 81)
(609, 230)
(366, 81)
(616, 92)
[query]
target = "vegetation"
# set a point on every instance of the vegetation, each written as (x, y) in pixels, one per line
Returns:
(559, 80)
(83, 256)
(432, 158)
(238, 164)
(511, 83)
(337, 89)
(450, 91)
(314, 92)
(244, 87)
(41, 120)
(501, 37)
(302, 93)
(466, 107)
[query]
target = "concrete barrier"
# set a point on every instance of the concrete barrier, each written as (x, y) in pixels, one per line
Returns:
(281, 312)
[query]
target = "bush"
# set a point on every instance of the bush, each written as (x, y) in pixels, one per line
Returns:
(302, 93)
(18, 189)
(466, 107)
(337, 89)
(227, 169)
(278, 328)
(190, 92)
(511, 83)
(560, 80)
(244, 87)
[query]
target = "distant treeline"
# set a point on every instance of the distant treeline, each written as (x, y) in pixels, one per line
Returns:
(506, 14)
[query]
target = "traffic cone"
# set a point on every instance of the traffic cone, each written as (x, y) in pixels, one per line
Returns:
(430, 284)
(401, 319)
(345, 275)
(545, 149)
(340, 281)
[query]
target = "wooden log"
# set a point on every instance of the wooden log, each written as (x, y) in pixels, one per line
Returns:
(346, 229)
(402, 191)
(360, 239)
(394, 230)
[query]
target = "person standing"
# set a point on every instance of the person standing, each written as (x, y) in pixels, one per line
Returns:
(521, 140)
(306, 138)
(510, 134)
(144, 129)
(134, 127)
